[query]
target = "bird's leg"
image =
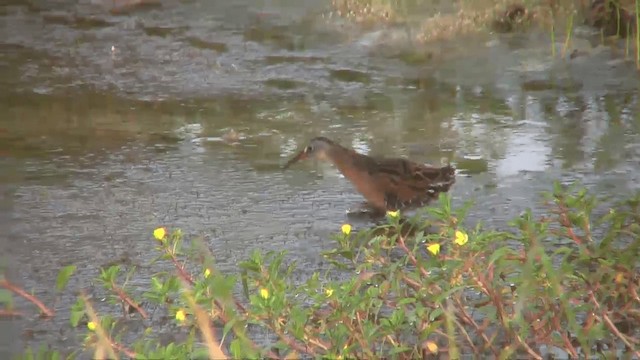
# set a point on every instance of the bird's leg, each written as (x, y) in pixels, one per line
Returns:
(362, 208)
(365, 209)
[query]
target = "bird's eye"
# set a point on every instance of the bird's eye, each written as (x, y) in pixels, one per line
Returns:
(308, 149)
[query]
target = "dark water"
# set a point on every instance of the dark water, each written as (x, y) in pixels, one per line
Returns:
(182, 115)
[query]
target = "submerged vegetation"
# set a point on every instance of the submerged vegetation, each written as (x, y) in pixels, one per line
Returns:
(563, 282)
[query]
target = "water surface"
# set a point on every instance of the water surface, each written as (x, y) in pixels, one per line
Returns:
(181, 116)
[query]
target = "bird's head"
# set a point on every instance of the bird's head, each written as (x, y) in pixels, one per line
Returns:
(318, 148)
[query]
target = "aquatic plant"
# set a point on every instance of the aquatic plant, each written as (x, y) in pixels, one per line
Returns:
(565, 281)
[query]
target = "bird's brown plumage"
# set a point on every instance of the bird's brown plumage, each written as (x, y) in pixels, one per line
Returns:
(386, 183)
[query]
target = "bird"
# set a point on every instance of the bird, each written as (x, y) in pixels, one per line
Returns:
(388, 184)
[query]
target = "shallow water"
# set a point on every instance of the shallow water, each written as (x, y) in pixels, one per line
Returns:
(182, 115)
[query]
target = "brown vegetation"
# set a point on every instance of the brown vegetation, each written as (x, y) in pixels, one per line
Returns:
(611, 17)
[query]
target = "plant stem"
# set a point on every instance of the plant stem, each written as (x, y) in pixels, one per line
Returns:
(215, 351)
(124, 297)
(19, 291)
(568, 39)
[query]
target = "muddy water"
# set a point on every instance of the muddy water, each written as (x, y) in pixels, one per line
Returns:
(181, 115)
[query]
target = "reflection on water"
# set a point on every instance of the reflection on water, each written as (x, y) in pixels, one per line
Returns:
(91, 161)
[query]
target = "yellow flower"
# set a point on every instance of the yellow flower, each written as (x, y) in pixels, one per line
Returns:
(434, 248)
(159, 233)
(180, 315)
(432, 347)
(328, 292)
(264, 293)
(346, 229)
(207, 273)
(393, 214)
(461, 238)
(91, 325)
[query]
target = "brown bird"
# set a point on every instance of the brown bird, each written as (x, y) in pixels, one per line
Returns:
(386, 183)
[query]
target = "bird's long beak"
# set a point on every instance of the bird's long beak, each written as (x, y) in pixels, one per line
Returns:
(301, 156)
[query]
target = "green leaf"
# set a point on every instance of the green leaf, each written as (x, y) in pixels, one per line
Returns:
(298, 320)
(77, 312)
(256, 257)
(200, 353)
(249, 266)
(446, 294)
(227, 328)
(397, 317)
(245, 283)
(64, 275)
(28, 354)
(347, 254)
(399, 349)
(156, 284)
(557, 187)
(406, 301)
(373, 292)
(169, 350)
(274, 267)
(109, 275)
(222, 285)
(6, 297)
(499, 253)
(436, 313)
(75, 317)
(236, 349)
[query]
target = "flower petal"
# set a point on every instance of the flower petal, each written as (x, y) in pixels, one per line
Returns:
(461, 238)
(393, 214)
(434, 248)
(159, 233)
(432, 347)
(264, 293)
(181, 315)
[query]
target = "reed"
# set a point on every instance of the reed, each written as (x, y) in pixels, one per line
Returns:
(553, 40)
(567, 41)
(637, 16)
